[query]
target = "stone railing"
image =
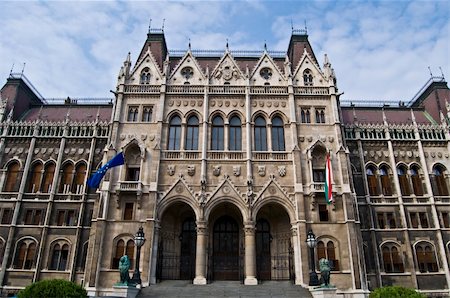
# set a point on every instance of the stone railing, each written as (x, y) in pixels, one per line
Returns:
(142, 89)
(311, 91)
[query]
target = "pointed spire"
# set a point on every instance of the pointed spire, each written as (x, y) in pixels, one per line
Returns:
(97, 117)
(265, 46)
(413, 117)
(326, 61)
(226, 47)
(11, 112)
(129, 57)
(68, 114)
(150, 25)
(164, 20)
(189, 46)
(429, 69)
(384, 116)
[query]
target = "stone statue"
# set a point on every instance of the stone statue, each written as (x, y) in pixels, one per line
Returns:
(325, 269)
(124, 266)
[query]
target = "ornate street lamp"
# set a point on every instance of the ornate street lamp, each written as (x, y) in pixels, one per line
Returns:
(139, 240)
(311, 242)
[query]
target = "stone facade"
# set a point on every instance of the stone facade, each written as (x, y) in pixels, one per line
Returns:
(224, 169)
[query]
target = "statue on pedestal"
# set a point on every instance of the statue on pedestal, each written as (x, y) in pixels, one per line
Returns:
(325, 270)
(124, 267)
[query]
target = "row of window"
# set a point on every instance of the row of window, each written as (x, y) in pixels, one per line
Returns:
(379, 182)
(25, 255)
(145, 113)
(424, 253)
(305, 115)
(40, 177)
(417, 220)
(63, 217)
(187, 72)
(191, 132)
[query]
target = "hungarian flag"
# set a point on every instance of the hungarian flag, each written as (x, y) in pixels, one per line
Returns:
(328, 181)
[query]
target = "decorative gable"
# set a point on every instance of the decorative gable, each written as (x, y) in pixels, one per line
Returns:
(179, 189)
(273, 189)
(227, 72)
(225, 188)
(187, 72)
(266, 72)
(308, 73)
(146, 71)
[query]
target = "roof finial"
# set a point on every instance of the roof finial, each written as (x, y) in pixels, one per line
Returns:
(12, 67)
(306, 28)
(150, 25)
(227, 44)
(164, 20)
(292, 25)
(265, 45)
(429, 69)
(189, 44)
(442, 73)
(23, 68)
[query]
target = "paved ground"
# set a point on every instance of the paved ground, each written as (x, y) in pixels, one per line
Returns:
(184, 288)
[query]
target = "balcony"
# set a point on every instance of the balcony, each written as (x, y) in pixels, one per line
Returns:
(268, 90)
(267, 155)
(311, 91)
(142, 89)
(226, 89)
(130, 186)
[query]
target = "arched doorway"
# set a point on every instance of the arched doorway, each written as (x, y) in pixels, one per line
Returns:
(263, 257)
(187, 239)
(225, 256)
(177, 243)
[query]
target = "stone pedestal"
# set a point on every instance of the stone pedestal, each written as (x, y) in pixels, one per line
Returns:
(324, 292)
(125, 291)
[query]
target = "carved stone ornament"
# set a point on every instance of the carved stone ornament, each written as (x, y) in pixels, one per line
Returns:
(171, 170)
(216, 170)
(191, 170)
(237, 171)
(262, 171)
(282, 171)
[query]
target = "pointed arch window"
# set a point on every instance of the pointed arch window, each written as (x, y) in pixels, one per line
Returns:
(403, 180)
(129, 251)
(307, 77)
(328, 252)
(25, 255)
(59, 257)
(145, 76)
(174, 133)
(133, 112)
(119, 252)
(305, 115)
(260, 134)
(34, 179)
(385, 181)
(277, 134)
(320, 116)
(147, 114)
(392, 260)
(66, 178)
(80, 174)
(192, 133)
(372, 181)
(426, 258)
(2, 251)
(439, 181)
(12, 175)
(49, 173)
(217, 133)
(235, 134)
(416, 181)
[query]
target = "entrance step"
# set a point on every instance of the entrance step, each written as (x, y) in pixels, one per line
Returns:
(185, 288)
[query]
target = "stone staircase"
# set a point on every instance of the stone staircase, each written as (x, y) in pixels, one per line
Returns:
(184, 288)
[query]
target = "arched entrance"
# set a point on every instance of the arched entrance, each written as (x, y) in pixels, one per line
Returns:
(225, 249)
(274, 253)
(177, 244)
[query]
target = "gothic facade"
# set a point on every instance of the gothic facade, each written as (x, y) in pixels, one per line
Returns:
(224, 169)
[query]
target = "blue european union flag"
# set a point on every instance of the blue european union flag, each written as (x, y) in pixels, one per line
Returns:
(94, 180)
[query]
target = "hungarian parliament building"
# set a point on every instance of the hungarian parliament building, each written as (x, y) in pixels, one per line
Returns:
(225, 155)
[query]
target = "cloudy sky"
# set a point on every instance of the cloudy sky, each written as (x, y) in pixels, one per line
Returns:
(379, 50)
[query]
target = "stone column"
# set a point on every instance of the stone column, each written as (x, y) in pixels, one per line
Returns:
(250, 254)
(200, 256)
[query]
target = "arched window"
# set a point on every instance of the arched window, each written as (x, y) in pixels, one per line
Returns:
(12, 175)
(372, 181)
(192, 133)
(277, 134)
(174, 133)
(119, 252)
(145, 76)
(80, 173)
(2, 251)
(392, 260)
(59, 257)
(260, 134)
(49, 173)
(129, 251)
(320, 116)
(416, 181)
(132, 114)
(235, 135)
(305, 115)
(403, 180)
(217, 133)
(385, 181)
(439, 181)
(25, 255)
(147, 114)
(307, 77)
(66, 178)
(426, 258)
(34, 179)
(328, 252)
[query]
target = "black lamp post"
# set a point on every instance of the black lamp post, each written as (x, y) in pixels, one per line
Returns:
(139, 240)
(311, 242)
